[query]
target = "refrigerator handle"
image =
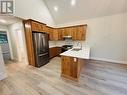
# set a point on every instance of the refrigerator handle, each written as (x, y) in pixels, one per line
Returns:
(43, 54)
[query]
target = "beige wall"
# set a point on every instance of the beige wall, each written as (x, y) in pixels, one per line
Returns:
(107, 37)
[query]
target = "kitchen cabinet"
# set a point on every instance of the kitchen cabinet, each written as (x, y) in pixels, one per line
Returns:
(77, 32)
(36, 26)
(71, 67)
(49, 30)
(55, 34)
(54, 51)
(81, 33)
(61, 33)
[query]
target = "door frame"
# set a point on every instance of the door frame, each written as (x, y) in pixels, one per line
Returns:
(9, 42)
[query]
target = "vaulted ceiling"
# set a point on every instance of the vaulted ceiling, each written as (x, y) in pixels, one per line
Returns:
(83, 9)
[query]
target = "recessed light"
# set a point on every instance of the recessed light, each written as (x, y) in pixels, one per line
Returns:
(56, 8)
(2, 21)
(73, 2)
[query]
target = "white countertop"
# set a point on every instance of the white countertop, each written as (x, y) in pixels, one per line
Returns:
(83, 54)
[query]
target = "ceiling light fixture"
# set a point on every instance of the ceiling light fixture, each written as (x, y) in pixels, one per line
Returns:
(56, 8)
(73, 2)
(2, 21)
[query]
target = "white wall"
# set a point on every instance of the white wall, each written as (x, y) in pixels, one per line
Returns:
(34, 9)
(107, 37)
(18, 43)
(2, 69)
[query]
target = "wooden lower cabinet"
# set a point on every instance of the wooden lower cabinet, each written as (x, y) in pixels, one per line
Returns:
(71, 67)
(54, 51)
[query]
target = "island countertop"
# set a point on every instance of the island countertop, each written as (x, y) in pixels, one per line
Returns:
(84, 53)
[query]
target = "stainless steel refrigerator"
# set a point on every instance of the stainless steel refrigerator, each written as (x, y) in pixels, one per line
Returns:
(41, 48)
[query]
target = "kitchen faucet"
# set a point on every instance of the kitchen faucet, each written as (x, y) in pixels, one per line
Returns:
(80, 44)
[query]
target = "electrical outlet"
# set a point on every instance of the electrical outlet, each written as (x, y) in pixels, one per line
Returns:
(75, 59)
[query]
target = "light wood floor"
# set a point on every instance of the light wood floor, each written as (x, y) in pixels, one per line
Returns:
(97, 78)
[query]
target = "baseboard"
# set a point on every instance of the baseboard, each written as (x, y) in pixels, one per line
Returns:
(109, 60)
(3, 76)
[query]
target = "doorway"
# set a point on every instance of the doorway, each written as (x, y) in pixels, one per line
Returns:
(5, 46)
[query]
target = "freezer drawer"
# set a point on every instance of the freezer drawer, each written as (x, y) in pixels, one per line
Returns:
(42, 59)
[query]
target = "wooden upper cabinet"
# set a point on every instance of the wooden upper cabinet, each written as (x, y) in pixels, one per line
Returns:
(55, 34)
(81, 33)
(77, 32)
(36, 26)
(68, 31)
(61, 33)
(49, 30)
(74, 33)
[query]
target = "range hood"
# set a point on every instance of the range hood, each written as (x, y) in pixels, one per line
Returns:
(67, 37)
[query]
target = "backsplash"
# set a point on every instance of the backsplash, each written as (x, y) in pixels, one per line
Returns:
(61, 43)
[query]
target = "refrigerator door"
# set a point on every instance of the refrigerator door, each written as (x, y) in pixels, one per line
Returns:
(41, 48)
(41, 42)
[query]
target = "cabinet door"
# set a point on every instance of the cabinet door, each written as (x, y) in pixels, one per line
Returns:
(68, 31)
(64, 31)
(42, 27)
(60, 33)
(74, 33)
(55, 34)
(69, 67)
(55, 51)
(50, 33)
(81, 33)
(59, 50)
(52, 52)
(37, 26)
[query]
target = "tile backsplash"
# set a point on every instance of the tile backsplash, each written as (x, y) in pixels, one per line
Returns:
(61, 43)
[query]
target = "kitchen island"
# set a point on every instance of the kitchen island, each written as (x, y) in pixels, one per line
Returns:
(72, 62)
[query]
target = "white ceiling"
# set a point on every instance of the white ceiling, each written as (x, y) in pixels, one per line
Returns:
(84, 9)
(7, 20)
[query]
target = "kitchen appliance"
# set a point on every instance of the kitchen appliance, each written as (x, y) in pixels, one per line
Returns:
(66, 47)
(67, 37)
(41, 48)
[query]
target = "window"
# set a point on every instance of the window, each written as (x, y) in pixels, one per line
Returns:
(3, 38)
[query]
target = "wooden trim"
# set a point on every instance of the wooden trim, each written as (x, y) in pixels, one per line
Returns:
(69, 77)
(29, 43)
(72, 26)
(50, 27)
(36, 21)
